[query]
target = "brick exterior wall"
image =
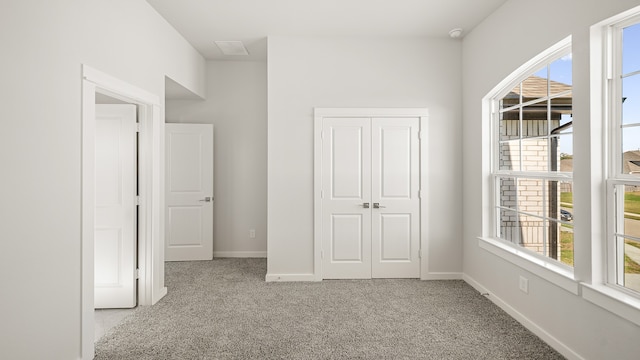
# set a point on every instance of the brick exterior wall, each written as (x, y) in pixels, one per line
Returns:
(528, 231)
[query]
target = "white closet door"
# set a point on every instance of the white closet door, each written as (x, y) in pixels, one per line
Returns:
(346, 217)
(115, 227)
(395, 185)
(370, 198)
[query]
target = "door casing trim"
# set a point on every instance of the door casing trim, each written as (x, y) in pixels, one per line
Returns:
(319, 115)
(151, 190)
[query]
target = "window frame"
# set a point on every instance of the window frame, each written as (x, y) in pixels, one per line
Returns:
(492, 100)
(546, 268)
(614, 178)
(594, 285)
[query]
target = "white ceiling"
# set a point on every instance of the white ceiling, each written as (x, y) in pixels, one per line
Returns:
(202, 22)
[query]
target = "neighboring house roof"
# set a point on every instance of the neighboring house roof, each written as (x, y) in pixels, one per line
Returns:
(535, 87)
(566, 165)
(631, 162)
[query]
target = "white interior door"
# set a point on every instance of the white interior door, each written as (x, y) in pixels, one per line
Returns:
(346, 218)
(395, 184)
(189, 192)
(370, 198)
(115, 216)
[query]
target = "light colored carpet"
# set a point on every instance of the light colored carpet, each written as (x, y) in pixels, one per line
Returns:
(223, 309)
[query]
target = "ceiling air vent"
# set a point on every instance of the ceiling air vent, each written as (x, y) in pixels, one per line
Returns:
(234, 48)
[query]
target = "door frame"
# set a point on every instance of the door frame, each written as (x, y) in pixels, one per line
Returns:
(319, 115)
(150, 186)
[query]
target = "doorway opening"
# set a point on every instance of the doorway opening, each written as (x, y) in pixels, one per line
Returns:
(150, 229)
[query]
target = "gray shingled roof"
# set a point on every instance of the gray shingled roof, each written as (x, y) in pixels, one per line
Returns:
(566, 165)
(631, 162)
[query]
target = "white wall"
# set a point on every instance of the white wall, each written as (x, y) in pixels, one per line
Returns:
(237, 107)
(359, 72)
(512, 35)
(43, 46)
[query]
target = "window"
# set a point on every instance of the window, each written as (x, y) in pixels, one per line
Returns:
(532, 150)
(623, 180)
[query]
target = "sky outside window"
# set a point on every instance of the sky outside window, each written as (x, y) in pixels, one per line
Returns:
(631, 87)
(561, 71)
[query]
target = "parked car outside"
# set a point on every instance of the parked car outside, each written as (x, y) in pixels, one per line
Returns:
(565, 215)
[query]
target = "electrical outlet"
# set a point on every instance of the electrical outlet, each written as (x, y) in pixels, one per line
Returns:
(252, 234)
(524, 284)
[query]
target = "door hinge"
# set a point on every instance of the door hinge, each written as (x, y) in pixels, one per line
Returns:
(420, 194)
(322, 134)
(137, 274)
(138, 127)
(321, 194)
(420, 254)
(138, 200)
(321, 254)
(420, 135)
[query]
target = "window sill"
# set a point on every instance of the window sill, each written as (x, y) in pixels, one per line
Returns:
(547, 270)
(612, 300)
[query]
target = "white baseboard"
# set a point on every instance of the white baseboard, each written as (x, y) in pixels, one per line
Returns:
(159, 295)
(289, 277)
(312, 277)
(526, 322)
(442, 276)
(239, 254)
